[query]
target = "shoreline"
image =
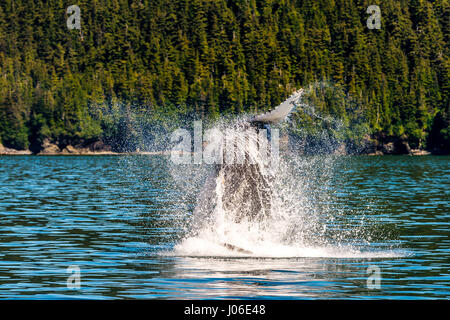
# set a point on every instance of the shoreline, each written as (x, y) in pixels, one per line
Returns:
(54, 150)
(104, 153)
(12, 152)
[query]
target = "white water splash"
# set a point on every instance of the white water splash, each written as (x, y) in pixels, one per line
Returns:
(304, 220)
(204, 247)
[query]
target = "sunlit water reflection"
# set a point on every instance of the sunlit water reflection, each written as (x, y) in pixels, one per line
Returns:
(114, 217)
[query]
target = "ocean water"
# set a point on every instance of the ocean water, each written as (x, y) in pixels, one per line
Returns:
(368, 227)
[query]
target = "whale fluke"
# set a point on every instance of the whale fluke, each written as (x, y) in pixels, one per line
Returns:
(280, 112)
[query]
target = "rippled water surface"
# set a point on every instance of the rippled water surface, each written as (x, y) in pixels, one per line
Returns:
(113, 217)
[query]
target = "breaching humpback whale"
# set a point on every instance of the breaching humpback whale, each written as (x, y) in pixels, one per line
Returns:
(243, 191)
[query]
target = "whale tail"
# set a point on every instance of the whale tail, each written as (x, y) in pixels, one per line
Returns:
(281, 112)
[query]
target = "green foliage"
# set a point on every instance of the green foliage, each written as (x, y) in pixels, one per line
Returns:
(142, 62)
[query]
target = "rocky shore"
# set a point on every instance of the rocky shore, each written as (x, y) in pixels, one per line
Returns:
(97, 148)
(374, 146)
(382, 144)
(49, 148)
(8, 151)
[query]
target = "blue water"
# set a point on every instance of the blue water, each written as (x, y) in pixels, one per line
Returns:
(114, 217)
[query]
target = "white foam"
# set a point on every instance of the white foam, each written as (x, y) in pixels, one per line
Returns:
(201, 247)
(302, 214)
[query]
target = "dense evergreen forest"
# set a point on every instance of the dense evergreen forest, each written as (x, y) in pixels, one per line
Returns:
(150, 62)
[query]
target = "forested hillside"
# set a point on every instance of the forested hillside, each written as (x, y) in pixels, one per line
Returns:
(165, 59)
